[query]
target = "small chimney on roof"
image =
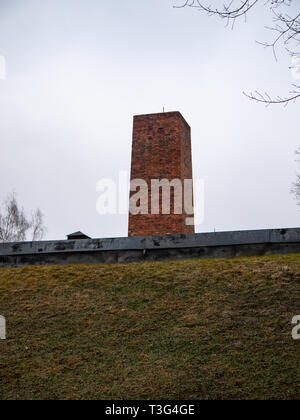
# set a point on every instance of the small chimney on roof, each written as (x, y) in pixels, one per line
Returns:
(77, 235)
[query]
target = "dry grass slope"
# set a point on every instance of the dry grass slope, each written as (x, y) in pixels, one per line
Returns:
(197, 329)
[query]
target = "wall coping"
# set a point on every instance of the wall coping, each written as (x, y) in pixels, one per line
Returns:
(229, 238)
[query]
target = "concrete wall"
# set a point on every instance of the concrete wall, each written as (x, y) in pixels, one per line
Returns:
(220, 244)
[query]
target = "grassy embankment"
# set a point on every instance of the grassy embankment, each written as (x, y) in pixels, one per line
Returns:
(197, 329)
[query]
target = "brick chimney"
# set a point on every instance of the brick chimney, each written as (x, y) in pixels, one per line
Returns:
(161, 149)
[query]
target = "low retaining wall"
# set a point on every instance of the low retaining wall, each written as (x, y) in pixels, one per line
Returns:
(219, 244)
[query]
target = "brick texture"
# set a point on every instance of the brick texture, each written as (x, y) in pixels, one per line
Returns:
(161, 149)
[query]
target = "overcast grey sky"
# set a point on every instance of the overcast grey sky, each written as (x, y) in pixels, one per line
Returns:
(77, 72)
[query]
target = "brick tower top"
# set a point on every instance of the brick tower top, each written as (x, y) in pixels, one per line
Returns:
(162, 116)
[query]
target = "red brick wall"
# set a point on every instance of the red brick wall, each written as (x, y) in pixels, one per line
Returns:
(161, 149)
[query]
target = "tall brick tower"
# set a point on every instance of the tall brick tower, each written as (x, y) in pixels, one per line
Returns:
(161, 149)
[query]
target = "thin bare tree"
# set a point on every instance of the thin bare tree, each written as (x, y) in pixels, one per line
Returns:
(37, 227)
(16, 226)
(296, 186)
(286, 29)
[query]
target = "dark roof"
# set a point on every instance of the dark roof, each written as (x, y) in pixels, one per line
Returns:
(78, 235)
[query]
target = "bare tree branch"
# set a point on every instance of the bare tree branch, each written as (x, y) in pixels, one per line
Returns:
(227, 11)
(266, 99)
(286, 31)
